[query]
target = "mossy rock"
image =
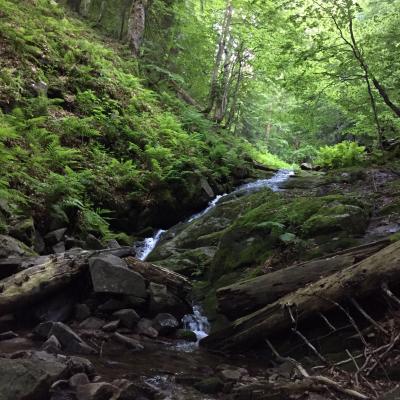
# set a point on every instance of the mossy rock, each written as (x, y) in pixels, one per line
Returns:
(336, 217)
(259, 232)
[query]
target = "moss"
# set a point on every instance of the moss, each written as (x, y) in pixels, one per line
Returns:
(391, 208)
(253, 237)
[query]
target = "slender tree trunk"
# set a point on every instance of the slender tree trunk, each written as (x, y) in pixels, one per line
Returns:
(235, 95)
(136, 26)
(218, 59)
(222, 98)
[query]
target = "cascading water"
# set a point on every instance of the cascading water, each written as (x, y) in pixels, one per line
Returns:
(198, 322)
(144, 248)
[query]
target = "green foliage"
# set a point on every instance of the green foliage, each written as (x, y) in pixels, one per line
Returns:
(80, 133)
(344, 154)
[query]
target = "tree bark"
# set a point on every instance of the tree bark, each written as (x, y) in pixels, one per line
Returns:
(218, 59)
(361, 280)
(136, 26)
(242, 298)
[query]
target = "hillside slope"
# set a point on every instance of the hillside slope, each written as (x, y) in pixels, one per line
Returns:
(84, 143)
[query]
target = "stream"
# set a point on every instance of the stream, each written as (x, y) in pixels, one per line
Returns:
(198, 322)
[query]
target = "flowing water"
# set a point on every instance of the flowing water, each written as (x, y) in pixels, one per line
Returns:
(197, 322)
(143, 249)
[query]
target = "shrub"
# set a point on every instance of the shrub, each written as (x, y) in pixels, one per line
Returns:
(344, 154)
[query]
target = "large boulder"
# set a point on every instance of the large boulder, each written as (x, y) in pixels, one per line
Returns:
(110, 275)
(10, 247)
(29, 379)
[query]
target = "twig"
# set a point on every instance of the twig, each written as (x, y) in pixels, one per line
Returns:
(326, 320)
(389, 293)
(367, 317)
(305, 340)
(318, 378)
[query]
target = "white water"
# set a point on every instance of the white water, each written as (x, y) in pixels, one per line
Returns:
(146, 247)
(197, 322)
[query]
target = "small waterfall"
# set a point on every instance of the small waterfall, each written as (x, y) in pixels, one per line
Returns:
(197, 322)
(144, 248)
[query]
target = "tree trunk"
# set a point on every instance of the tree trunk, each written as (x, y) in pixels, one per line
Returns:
(361, 280)
(136, 26)
(242, 298)
(218, 59)
(222, 98)
(235, 95)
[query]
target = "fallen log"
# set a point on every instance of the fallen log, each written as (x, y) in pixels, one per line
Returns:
(56, 272)
(34, 283)
(176, 283)
(244, 297)
(358, 281)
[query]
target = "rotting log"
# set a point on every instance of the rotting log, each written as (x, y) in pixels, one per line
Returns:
(358, 281)
(34, 283)
(176, 283)
(242, 298)
(55, 272)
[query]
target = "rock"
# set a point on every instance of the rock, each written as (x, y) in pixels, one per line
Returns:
(233, 375)
(163, 301)
(52, 345)
(165, 324)
(207, 188)
(111, 326)
(112, 305)
(128, 390)
(185, 334)
(38, 244)
(59, 248)
(79, 364)
(129, 342)
(113, 244)
(24, 230)
(92, 323)
(69, 340)
(10, 247)
(58, 308)
(43, 329)
(211, 385)
(128, 317)
(96, 391)
(8, 335)
(92, 243)
(145, 327)
(306, 167)
(82, 311)
(110, 275)
(54, 237)
(28, 378)
(79, 379)
(72, 243)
